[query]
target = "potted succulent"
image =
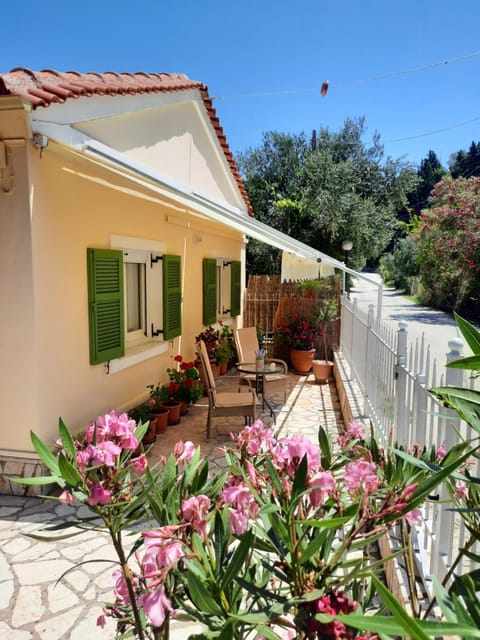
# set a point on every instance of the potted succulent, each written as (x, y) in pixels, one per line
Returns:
(322, 369)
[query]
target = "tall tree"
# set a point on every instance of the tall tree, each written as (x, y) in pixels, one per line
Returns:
(466, 164)
(325, 192)
(429, 173)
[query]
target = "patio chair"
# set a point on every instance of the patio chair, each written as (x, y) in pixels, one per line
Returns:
(247, 344)
(226, 403)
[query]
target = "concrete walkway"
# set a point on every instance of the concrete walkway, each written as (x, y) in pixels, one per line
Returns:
(37, 603)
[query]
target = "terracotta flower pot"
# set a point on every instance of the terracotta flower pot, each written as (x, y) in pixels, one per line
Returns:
(302, 360)
(173, 411)
(162, 420)
(322, 370)
(151, 434)
(183, 408)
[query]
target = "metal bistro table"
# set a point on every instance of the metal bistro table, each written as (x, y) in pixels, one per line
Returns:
(270, 368)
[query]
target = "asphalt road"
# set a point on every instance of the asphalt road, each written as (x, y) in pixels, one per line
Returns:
(435, 326)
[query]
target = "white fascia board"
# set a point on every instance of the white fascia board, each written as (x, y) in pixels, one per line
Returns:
(84, 109)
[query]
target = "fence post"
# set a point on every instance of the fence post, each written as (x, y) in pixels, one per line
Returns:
(368, 361)
(401, 425)
(451, 423)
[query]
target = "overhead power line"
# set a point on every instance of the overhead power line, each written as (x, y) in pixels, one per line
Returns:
(323, 88)
(431, 133)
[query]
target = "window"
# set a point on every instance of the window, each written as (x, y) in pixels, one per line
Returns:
(221, 288)
(134, 302)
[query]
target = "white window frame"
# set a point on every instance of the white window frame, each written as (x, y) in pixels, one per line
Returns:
(141, 345)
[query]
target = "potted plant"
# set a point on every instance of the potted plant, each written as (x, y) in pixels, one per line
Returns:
(299, 332)
(223, 355)
(142, 414)
(164, 396)
(210, 337)
(187, 376)
(322, 369)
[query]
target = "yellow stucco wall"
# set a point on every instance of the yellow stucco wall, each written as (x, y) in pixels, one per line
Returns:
(75, 205)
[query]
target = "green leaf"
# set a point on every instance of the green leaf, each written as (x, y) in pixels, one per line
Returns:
(242, 552)
(39, 480)
(200, 595)
(69, 472)
(470, 333)
(300, 480)
(398, 612)
(67, 440)
(44, 453)
(324, 444)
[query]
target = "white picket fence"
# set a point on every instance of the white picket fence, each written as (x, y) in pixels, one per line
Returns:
(394, 378)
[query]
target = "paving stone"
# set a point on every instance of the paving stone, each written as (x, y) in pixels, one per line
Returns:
(7, 633)
(78, 580)
(17, 546)
(7, 590)
(31, 573)
(28, 606)
(60, 597)
(59, 626)
(8, 511)
(5, 572)
(88, 628)
(39, 550)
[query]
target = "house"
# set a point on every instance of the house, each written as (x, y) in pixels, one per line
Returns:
(121, 217)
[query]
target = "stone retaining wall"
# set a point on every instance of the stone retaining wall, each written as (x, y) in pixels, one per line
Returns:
(24, 468)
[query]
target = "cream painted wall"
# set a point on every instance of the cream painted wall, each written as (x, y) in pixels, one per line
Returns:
(72, 211)
(18, 360)
(172, 139)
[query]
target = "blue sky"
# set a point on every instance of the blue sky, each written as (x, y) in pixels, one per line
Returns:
(253, 48)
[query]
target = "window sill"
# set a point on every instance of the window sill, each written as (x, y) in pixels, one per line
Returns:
(136, 354)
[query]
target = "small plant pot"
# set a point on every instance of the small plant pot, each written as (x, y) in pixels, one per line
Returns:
(322, 370)
(173, 411)
(151, 434)
(183, 408)
(162, 420)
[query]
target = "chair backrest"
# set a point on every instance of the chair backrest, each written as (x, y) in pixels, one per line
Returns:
(246, 343)
(210, 378)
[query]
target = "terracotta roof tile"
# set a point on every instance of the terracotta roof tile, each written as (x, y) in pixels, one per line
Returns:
(43, 88)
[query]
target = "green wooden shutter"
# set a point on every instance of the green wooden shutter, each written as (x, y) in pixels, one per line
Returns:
(235, 287)
(209, 291)
(105, 304)
(172, 297)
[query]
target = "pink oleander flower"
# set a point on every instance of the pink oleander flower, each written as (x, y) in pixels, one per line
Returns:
(359, 476)
(243, 506)
(255, 438)
(195, 512)
(461, 490)
(83, 460)
(66, 497)
(414, 517)
(120, 588)
(106, 452)
(140, 464)
(184, 451)
(164, 553)
(156, 605)
(99, 495)
(101, 621)
(293, 449)
(442, 451)
(322, 485)
(356, 430)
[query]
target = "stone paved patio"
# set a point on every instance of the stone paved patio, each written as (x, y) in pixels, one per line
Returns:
(34, 606)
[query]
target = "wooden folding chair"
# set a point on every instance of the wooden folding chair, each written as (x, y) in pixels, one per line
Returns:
(225, 403)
